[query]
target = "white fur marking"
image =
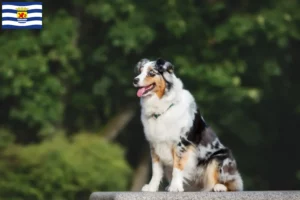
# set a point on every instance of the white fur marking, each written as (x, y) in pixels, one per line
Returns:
(157, 174)
(220, 188)
(204, 149)
(177, 181)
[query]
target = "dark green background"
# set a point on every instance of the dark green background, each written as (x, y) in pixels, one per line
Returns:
(63, 86)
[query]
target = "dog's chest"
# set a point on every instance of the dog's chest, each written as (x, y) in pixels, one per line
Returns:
(162, 131)
(164, 152)
(163, 135)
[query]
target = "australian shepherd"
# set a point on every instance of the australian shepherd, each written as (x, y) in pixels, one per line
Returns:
(183, 147)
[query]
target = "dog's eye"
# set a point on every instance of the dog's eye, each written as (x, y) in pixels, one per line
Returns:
(151, 73)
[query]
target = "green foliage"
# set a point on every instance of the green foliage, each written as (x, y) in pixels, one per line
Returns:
(240, 59)
(6, 138)
(35, 75)
(60, 168)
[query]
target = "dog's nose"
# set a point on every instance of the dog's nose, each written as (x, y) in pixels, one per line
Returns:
(135, 80)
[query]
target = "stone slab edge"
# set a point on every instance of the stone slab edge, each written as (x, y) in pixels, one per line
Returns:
(245, 195)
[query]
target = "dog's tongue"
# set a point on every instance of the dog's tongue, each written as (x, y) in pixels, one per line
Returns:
(141, 91)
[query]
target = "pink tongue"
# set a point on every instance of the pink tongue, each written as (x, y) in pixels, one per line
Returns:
(140, 92)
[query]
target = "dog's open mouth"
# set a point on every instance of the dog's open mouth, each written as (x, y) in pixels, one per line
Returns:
(144, 90)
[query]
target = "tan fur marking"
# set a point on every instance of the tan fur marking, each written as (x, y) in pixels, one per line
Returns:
(160, 84)
(211, 177)
(180, 162)
(154, 156)
(230, 185)
(233, 185)
(149, 80)
(170, 71)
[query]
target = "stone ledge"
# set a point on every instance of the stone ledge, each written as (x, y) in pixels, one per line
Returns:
(245, 195)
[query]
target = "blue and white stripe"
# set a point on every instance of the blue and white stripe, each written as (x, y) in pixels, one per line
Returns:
(34, 18)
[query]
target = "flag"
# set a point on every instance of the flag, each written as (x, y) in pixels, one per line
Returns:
(21, 15)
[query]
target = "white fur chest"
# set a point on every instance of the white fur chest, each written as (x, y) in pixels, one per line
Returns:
(163, 133)
(161, 130)
(164, 151)
(174, 121)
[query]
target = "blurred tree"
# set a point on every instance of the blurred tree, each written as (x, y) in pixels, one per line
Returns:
(60, 169)
(239, 58)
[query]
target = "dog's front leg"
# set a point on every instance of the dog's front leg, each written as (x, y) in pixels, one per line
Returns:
(180, 157)
(157, 174)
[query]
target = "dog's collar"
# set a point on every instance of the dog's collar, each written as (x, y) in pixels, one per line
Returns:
(155, 115)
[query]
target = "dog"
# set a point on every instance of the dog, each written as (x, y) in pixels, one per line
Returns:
(184, 148)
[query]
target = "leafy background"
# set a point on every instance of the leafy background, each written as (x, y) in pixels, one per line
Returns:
(69, 115)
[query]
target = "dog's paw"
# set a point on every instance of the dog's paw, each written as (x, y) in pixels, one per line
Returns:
(220, 188)
(149, 188)
(175, 188)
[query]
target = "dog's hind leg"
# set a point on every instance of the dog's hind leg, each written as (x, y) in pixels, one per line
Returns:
(236, 184)
(222, 176)
(230, 176)
(211, 178)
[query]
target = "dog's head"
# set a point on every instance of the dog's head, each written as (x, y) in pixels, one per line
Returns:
(154, 77)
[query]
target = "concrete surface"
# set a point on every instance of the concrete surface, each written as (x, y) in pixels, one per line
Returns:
(245, 195)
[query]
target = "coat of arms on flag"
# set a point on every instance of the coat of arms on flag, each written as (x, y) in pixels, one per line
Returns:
(21, 15)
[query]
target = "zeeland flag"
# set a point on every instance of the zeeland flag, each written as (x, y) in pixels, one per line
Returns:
(22, 15)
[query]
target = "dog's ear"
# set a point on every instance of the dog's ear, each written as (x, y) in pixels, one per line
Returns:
(160, 61)
(140, 64)
(163, 66)
(160, 65)
(169, 67)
